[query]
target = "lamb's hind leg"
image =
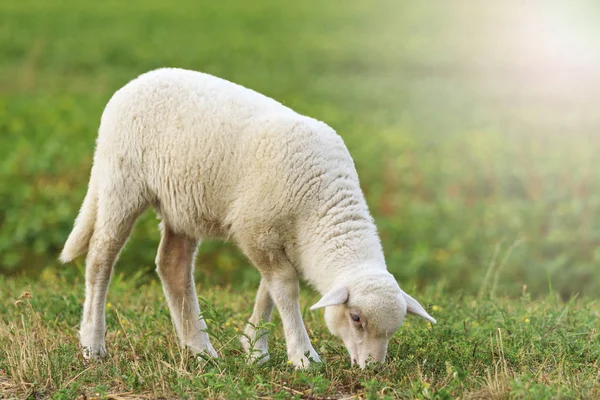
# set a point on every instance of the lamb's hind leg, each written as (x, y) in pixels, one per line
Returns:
(175, 266)
(113, 226)
(254, 341)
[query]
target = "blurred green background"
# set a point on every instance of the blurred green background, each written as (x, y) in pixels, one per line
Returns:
(473, 124)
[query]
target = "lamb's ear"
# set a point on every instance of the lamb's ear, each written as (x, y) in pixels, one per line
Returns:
(337, 295)
(415, 308)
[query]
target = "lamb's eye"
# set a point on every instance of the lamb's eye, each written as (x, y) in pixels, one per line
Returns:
(355, 317)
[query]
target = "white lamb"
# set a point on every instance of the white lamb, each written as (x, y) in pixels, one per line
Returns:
(215, 159)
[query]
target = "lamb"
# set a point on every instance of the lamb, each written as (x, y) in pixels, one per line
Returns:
(215, 159)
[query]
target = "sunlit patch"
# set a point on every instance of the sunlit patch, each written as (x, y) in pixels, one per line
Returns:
(554, 44)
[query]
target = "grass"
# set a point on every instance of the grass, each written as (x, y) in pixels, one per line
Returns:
(474, 130)
(481, 348)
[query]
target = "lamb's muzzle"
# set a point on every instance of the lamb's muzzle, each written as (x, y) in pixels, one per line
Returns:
(365, 312)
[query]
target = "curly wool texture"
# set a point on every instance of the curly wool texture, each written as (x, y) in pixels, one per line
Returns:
(218, 160)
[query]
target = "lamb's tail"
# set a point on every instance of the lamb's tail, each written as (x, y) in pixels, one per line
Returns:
(79, 239)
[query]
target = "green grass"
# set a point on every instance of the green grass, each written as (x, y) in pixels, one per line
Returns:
(474, 128)
(463, 137)
(481, 348)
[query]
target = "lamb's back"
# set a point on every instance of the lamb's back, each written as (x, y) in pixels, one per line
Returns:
(209, 150)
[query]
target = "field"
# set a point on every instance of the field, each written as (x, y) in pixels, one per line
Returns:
(480, 349)
(475, 132)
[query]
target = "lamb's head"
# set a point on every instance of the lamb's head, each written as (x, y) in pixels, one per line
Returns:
(365, 312)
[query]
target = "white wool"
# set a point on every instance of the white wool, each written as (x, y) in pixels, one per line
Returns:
(218, 160)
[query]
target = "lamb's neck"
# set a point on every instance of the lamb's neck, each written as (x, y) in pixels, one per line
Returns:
(346, 251)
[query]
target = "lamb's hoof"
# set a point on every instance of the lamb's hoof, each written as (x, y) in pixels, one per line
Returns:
(93, 352)
(204, 353)
(302, 361)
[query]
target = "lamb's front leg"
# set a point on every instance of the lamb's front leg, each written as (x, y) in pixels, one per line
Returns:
(283, 287)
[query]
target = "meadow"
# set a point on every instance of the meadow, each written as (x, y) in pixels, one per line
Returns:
(475, 132)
